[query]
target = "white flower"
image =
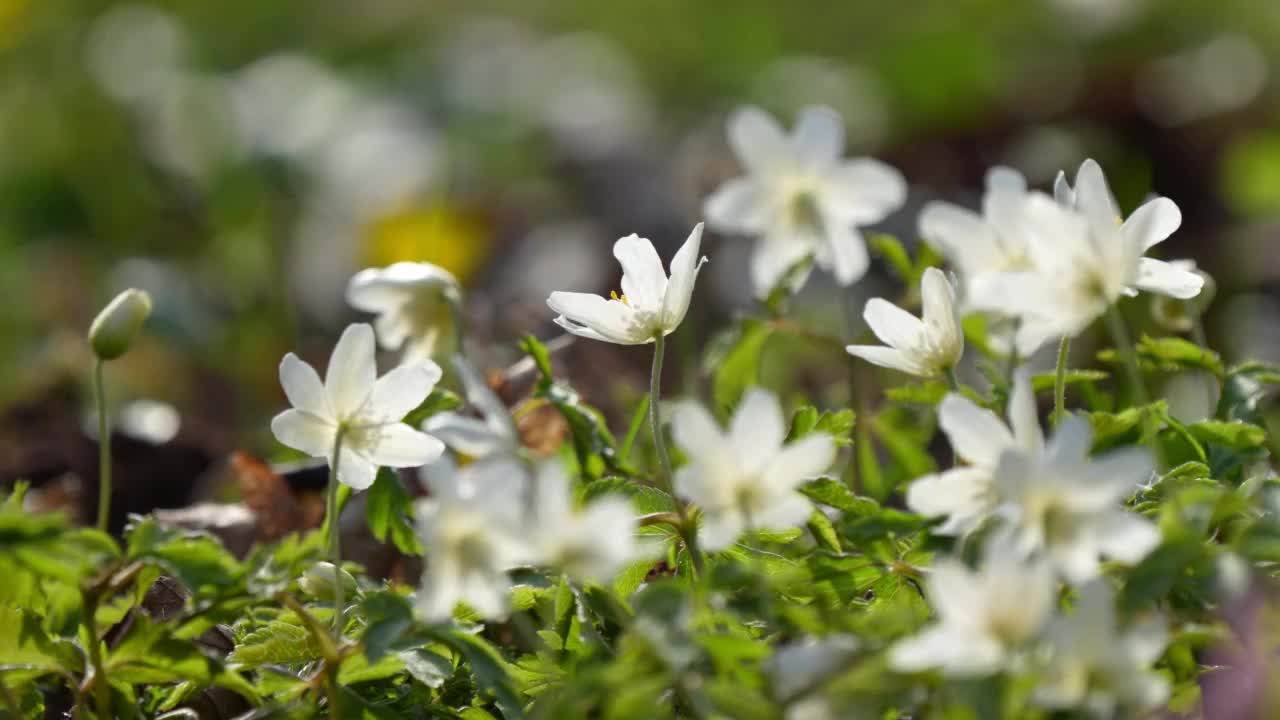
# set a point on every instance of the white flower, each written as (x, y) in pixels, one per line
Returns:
(415, 303)
(471, 528)
(589, 544)
(1071, 507)
(746, 478)
(794, 668)
(366, 409)
(1095, 666)
(492, 434)
(986, 617)
(965, 495)
(924, 347)
(800, 198)
(1084, 258)
(992, 242)
(651, 305)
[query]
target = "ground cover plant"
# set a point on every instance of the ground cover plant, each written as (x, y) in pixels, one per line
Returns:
(970, 540)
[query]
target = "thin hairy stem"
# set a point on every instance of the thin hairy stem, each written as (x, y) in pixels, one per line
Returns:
(335, 536)
(687, 531)
(1060, 381)
(104, 446)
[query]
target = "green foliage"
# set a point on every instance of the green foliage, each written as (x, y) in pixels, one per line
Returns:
(388, 509)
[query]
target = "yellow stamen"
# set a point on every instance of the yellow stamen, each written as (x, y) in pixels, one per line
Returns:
(620, 298)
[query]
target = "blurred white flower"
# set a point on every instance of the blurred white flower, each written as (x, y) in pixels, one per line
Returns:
(492, 434)
(588, 544)
(354, 401)
(1071, 507)
(979, 244)
(986, 617)
(800, 198)
(471, 528)
(965, 494)
(415, 303)
(746, 478)
(925, 346)
(651, 305)
(1094, 665)
(795, 667)
(1085, 256)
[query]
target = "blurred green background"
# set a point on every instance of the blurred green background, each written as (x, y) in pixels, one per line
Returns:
(241, 159)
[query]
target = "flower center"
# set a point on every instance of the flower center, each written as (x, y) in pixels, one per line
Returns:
(804, 212)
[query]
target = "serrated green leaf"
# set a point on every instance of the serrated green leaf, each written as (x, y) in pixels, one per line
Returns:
(387, 510)
(276, 643)
(196, 559)
(734, 362)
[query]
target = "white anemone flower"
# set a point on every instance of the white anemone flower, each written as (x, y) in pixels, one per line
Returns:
(746, 478)
(651, 305)
(589, 543)
(1085, 256)
(471, 527)
(1071, 507)
(987, 618)
(992, 242)
(492, 434)
(1095, 665)
(926, 346)
(415, 303)
(965, 495)
(365, 409)
(800, 197)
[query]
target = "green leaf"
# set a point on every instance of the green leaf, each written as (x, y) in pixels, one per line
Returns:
(276, 643)
(358, 669)
(440, 400)
(837, 424)
(387, 510)
(427, 666)
(823, 531)
(835, 494)
(539, 354)
(892, 250)
(1235, 435)
(1042, 382)
(1171, 354)
(929, 392)
(633, 430)
(387, 616)
(196, 559)
(734, 362)
(26, 651)
(488, 668)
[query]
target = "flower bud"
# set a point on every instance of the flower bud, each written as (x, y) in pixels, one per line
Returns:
(118, 324)
(318, 581)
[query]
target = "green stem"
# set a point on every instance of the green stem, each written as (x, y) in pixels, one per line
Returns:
(687, 531)
(1124, 346)
(335, 535)
(104, 446)
(101, 689)
(1012, 366)
(1060, 381)
(953, 381)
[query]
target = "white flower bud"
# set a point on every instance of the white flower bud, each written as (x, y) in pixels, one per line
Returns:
(318, 581)
(118, 324)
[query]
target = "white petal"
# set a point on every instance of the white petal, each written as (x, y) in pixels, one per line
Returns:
(392, 329)
(467, 435)
(1071, 441)
(961, 236)
(941, 316)
(1023, 416)
(962, 493)
(801, 460)
(1112, 477)
(644, 283)
(976, 434)
(482, 398)
(1146, 640)
(1005, 180)
(894, 326)
(737, 207)
(1151, 223)
(847, 253)
(1125, 536)
(1094, 198)
(1062, 192)
(774, 255)
(888, 358)
(818, 136)
(552, 502)
(694, 429)
(355, 469)
(609, 319)
(720, 529)
(398, 445)
(757, 429)
(758, 140)
(1077, 560)
(439, 593)
(684, 272)
(378, 289)
(304, 431)
(302, 386)
(790, 511)
(351, 374)
(957, 651)
(401, 390)
(1166, 279)
(863, 191)
(575, 329)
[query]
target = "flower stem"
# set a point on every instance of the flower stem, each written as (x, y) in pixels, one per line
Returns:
(101, 689)
(1124, 346)
(953, 381)
(335, 535)
(1060, 381)
(687, 531)
(104, 446)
